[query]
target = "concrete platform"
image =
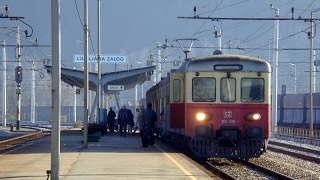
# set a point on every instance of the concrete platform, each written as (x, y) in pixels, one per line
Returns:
(112, 157)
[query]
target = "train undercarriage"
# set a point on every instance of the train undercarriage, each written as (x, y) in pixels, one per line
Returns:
(205, 147)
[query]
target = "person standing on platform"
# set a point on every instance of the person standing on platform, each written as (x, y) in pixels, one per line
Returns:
(130, 122)
(142, 125)
(122, 120)
(111, 119)
(152, 118)
(136, 121)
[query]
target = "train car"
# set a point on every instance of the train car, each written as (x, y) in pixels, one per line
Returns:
(216, 106)
(316, 109)
(294, 110)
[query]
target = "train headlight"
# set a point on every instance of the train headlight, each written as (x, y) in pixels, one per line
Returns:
(203, 116)
(253, 116)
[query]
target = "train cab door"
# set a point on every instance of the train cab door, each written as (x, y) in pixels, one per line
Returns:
(177, 101)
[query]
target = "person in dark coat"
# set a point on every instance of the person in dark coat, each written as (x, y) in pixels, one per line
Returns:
(111, 119)
(122, 120)
(142, 125)
(151, 120)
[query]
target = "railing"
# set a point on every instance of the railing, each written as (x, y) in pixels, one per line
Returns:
(297, 135)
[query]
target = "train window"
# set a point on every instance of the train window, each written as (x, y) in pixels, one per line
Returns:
(252, 90)
(228, 90)
(204, 89)
(176, 90)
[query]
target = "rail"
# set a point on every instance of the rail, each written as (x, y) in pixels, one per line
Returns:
(297, 134)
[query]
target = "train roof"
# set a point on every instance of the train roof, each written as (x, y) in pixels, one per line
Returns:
(207, 63)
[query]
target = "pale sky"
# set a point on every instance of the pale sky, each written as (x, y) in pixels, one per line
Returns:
(130, 27)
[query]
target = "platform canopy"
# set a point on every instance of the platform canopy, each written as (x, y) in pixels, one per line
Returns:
(125, 78)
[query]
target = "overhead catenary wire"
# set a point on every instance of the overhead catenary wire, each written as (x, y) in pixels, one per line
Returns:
(247, 40)
(307, 8)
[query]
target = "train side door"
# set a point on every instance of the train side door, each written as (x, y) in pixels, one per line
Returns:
(177, 100)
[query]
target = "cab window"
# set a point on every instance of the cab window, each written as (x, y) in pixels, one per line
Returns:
(228, 90)
(204, 89)
(252, 90)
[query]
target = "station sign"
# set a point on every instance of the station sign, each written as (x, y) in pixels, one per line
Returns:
(116, 87)
(105, 58)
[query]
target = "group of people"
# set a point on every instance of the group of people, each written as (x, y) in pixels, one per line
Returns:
(125, 120)
(145, 122)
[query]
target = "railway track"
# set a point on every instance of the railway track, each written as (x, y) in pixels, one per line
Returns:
(292, 160)
(267, 171)
(218, 171)
(8, 143)
(37, 131)
(290, 150)
(239, 169)
(299, 148)
(236, 169)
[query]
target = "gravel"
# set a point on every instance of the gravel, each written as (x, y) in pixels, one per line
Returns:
(291, 166)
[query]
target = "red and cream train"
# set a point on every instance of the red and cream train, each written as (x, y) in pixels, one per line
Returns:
(216, 106)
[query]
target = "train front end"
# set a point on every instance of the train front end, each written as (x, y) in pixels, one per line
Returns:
(227, 106)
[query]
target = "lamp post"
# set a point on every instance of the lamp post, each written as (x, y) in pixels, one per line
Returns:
(295, 77)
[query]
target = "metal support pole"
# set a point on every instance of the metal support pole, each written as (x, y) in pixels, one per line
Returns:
(89, 91)
(219, 39)
(99, 94)
(295, 77)
(311, 80)
(86, 75)
(218, 34)
(159, 74)
(136, 96)
(142, 95)
(75, 104)
(158, 70)
(314, 71)
(154, 75)
(4, 86)
(269, 51)
(33, 95)
(18, 125)
(56, 89)
(275, 72)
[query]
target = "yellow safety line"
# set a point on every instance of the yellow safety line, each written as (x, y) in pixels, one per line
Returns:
(178, 164)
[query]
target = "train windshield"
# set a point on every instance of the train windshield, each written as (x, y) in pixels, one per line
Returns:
(228, 90)
(252, 90)
(204, 89)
